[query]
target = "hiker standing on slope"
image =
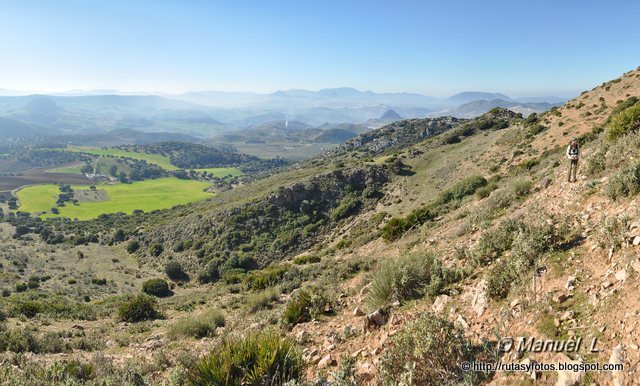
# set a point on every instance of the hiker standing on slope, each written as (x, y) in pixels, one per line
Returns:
(573, 153)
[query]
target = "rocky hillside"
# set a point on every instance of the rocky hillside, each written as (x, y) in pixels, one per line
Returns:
(392, 259)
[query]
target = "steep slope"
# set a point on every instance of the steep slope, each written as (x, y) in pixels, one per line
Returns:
(588, 111)
(458, 232)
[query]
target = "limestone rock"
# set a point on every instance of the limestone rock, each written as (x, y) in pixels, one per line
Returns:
(571, 281)
(568, 377)
(376, 319)
(326, 361)
(358, 312)
(621, 275)
(616, 358)
(439, 304)
(463, 323)
(479, 303)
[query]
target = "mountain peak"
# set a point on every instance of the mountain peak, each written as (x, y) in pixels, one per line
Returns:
(391, 115)
(469, 96)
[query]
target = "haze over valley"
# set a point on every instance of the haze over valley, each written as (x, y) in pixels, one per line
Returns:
(205, 193)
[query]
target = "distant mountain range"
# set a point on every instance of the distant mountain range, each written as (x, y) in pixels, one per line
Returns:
(479, 107)
(210, 113)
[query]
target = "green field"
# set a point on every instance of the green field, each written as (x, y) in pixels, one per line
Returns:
(221, 172)
(155, 159)
(145, 195)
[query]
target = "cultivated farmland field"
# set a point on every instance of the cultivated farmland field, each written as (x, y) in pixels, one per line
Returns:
(156, 159)
(145, 195)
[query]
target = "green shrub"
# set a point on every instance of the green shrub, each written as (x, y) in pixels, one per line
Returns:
(428, 351)
(394, 228)
(461, 189)
(156, 287)
(233, 275)
(33, 284)
(29, 308)
(501, 279)
(349, 205)
(21, 287)
(306, 259)
(262, 300)
(611, 232)
(210, 273)
(624, 183)
(156, 249)
(306, 304)
(133, 246)
(520, 188)
(264, 278)
(198, 327)
(492, 243)
(627, 121)
(138, 309)
(596, 164)
(529, 241)
(409, 277)
(485, 191)
(174, 271)
(255, 359)
(528, 164)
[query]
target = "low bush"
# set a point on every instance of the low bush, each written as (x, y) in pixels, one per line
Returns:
(262, 300)
(493, 242)
(174, 271)
(529, 241)
(138, 309)
(485, 191)
(133, 246)
(306, 259)
(29, 308)
(596, 164)
(233, 275)
(307, 304)
(520, 188)
(156, 287)
(200, 326)
(624, 183)
(156, 249)
(611, 232)
(264, 358)
(409, 277)
(21, 287)
(624, 122)
(461, 189)
(264, 278)
(428, 351)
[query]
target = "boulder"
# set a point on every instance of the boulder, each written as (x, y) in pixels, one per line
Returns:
(439, 303)
(616, 358)
(376, 319)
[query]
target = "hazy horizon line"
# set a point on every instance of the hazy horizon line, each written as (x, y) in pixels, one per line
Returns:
(97, 91)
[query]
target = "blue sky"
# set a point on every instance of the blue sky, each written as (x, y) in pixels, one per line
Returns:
(518, 47)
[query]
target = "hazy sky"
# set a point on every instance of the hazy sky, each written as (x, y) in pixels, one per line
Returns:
(518, 47)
